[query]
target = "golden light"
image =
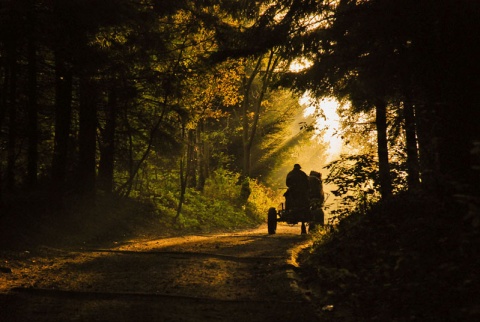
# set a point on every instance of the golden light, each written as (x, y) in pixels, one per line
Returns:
(299, 65)
(328, 125)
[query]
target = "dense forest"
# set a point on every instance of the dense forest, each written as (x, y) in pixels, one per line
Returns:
(123, 99)
(193, 106)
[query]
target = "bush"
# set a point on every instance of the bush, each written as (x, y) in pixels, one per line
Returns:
(224, 204)
(408, 258)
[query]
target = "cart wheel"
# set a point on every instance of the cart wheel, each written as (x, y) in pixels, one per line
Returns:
(272, 221)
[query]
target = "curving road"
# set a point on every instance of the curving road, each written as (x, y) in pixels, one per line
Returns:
(243, 276)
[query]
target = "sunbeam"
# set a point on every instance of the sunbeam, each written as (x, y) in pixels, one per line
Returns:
(327, 122)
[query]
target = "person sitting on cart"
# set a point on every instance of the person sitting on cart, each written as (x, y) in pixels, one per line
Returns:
(317, 198)
(315, 189)
(297, 193)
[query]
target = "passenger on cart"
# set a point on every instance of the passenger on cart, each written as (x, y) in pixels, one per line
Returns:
(315, 189)
(317, 197)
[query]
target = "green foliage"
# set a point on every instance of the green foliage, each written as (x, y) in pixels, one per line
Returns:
(360, 172)
(221, 206)
(353, 172)
(407, 258)
(357, 180)
(260, 200)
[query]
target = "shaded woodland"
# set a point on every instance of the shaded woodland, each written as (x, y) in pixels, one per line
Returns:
(123, 99)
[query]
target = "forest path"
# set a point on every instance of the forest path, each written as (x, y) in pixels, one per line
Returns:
(242, 276)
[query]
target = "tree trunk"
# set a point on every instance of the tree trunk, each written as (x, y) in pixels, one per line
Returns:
(191, 159)
(427, 143)
(457, 122)
(87, 136)
(3, 113)
(413, 177)
(201, 162)
(247, 92)
(250, 131)
(382, 144)
(183, 180)
(107, 146)
(63, 116)
(133, 171)
(12, 116)
(32, 167)
(125, 189)
(246, 147)
(206, 159)
(183, 189)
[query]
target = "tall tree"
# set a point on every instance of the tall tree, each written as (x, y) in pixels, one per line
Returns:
(12, 70)
(382, 143)
(413, 167)
(12, 38)
(253, 99)
(63, 57)
(107, 144)
(87, 135)
(32, 112)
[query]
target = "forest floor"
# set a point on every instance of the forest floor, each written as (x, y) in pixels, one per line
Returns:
(235, 276)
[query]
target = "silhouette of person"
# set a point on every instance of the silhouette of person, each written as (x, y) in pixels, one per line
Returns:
(315, 188)
(317, 198)
(297, 193)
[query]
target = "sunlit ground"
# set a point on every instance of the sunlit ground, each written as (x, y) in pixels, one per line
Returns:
(170, 265)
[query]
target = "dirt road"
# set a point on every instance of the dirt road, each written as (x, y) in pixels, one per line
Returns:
(245, 276)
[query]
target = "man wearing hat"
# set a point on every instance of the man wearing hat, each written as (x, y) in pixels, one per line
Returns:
(297, 193)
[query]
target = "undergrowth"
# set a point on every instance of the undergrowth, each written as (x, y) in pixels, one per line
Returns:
(224, 205)
(411, 258)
